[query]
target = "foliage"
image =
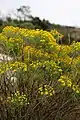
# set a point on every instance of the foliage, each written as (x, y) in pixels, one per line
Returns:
(47, 74)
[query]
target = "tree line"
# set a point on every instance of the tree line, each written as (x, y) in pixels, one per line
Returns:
(23, 18)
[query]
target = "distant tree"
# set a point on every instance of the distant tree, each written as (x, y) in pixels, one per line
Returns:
(24, 12)
(9, 19)
(1, 22)
(41, 24)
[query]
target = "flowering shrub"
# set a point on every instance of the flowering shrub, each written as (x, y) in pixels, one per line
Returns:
(41, 66)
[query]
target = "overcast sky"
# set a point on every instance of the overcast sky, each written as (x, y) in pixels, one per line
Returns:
(65, 12)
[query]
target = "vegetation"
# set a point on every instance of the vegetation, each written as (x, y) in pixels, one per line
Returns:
(41, 82)
(23, 19)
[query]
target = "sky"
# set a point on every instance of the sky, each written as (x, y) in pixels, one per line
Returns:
(64, 12)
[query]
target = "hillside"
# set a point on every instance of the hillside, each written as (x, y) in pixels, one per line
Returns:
(70, 33)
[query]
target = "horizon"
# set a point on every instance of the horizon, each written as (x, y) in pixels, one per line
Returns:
(60, 12)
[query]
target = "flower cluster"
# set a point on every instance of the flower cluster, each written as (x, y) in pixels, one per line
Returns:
(13, 67)
(66, 81)
(18, 99)
(46, 90)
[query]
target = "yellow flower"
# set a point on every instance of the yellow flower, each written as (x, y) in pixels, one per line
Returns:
(45, 86)
(40, 88)
(77, 91)
(42, 93)
(51, 94)
(63, 83)
(69, 83)
(46, 92)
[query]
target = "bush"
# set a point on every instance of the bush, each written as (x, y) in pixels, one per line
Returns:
(41, 82)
